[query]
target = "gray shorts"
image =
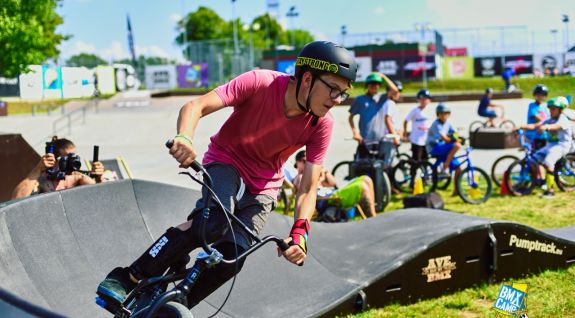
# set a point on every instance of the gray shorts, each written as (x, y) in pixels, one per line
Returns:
(550, 154)
(252, 210)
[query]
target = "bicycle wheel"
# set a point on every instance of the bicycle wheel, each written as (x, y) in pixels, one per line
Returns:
(474, 186)
(507, 124)
(500, 166)
(475, 125)
(565, 173)
(386, 191)
(174, 310)
(401, 176)
(440, 181)
(283, 202)
(520, 178)
(341, 172)
(425, 170)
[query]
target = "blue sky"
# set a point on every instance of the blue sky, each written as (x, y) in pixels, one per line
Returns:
(99, 26)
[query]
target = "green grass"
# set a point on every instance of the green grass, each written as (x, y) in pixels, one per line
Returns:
(551, 293)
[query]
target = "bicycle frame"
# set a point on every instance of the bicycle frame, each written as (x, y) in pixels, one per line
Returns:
(467, 160)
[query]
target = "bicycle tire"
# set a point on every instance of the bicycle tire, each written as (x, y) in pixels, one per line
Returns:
(478, 175)
(401, 176)
(282, 197)
(475, 125)
(441, 183)
(565, 173)
(174, 310)
(341, 172)
(386, 191)
(496, 176)
(520, 178)
(426, 171)
(507, 124)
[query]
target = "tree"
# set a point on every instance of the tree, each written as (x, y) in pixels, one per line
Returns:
(148, 60)
(298, 38)
(270, 32)
(85, 59)
(28, 34)
(203, 24)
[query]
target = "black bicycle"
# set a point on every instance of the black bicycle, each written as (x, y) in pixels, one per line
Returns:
(151, 297)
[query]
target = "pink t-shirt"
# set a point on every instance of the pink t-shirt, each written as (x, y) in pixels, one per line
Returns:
(257, 139)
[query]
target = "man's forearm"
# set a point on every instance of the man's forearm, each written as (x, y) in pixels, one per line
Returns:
(188, 119)
(305, 205)
(26, 186)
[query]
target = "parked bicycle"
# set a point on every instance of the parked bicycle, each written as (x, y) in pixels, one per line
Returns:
(500, 166)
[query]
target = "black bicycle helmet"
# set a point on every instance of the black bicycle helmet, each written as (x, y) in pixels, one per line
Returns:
(540, 89)
(320, 57)
(442, 108)
(397, 84)
(489, 90)
(423, 93)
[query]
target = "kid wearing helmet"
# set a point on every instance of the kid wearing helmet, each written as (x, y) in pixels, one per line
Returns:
(537, 113)
(487, 109)
(560, 137)
(369, 107)
(420, 118)
(442, 140)
(273, 116)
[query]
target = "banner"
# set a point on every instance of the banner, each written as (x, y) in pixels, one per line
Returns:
(31, 86)
(106, 80)
(194, 75)
(388, 66)
(161, 77)
(9, 87)
(363, 68)
(487, 66)
(52, 81)
(414, 66)
(547, 63)
(521, 64)
(77, 82)
(286, 66)
(458, 67)
(570, 62)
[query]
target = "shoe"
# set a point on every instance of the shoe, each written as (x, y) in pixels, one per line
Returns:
(113, 290)
(544, 187)
(548, 194)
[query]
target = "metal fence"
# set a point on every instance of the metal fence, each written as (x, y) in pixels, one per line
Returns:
(223, 62)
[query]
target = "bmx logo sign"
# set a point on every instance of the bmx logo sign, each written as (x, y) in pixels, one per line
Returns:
(438, 268)
(511, 301)
(158, 246)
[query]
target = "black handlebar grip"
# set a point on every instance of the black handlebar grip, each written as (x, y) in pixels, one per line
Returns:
(96, 153)
(283, 245)
(195, 165)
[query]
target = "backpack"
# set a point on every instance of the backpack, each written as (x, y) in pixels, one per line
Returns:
(430, 200)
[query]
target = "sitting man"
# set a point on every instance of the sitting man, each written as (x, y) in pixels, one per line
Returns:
(559, 140)
(57, 171)
(358, 191)
(487, 109)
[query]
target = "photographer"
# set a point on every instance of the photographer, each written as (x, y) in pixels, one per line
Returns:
(58, 169)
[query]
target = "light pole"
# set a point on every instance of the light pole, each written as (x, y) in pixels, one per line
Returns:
(554, 32)
(251, 29)
(236, 57)
(291, 14)
(565, 20)
(422, 27)
(343, 34)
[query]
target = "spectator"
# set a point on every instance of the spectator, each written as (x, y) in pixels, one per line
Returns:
(57, 171)
(359, 190)
(508, 73)
(420, 119)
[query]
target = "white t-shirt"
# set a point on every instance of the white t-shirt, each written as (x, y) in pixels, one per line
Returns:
(390, 109)
(420, 119)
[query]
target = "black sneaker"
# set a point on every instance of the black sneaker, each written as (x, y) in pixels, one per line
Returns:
(548, 194)
(113, 290)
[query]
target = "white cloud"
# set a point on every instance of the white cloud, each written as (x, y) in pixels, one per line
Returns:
(152, 50)
(175, 17)
(83, 47)
(319, 36)
(379, 10)
(114, 52)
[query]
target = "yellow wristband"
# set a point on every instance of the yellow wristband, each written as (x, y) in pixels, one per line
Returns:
(185, 137)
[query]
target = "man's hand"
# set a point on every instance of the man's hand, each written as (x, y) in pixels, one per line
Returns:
(357, 136)
(97, 169)
(543, 128)
(183, 151)
(46, 162)
(293, 254)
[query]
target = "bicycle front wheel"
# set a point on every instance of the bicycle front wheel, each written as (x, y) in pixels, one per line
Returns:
(386, 190)
(341, 172)
(565, 173)
(174, 310)
(500, 166)
(521, 178)
(474, 185)
(440, 181)
(401, 176)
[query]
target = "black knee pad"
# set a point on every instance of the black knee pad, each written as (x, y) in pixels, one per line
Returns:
(169, 249)
(212, 278)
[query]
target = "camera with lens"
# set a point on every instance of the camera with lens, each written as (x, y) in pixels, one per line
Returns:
(66, 165)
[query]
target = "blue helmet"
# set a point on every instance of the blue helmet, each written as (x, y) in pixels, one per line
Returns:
(442, 108)
(423, 93)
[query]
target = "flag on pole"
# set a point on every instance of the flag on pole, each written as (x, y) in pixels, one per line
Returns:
(131, 42)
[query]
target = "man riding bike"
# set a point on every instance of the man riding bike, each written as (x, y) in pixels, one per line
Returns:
(487, 109)
(274, 115)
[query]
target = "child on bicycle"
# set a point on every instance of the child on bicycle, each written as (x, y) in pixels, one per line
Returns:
(443, 142)
(487, 109)
(559, 141)
(537, 113)
(419, 118)
(274, 115)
